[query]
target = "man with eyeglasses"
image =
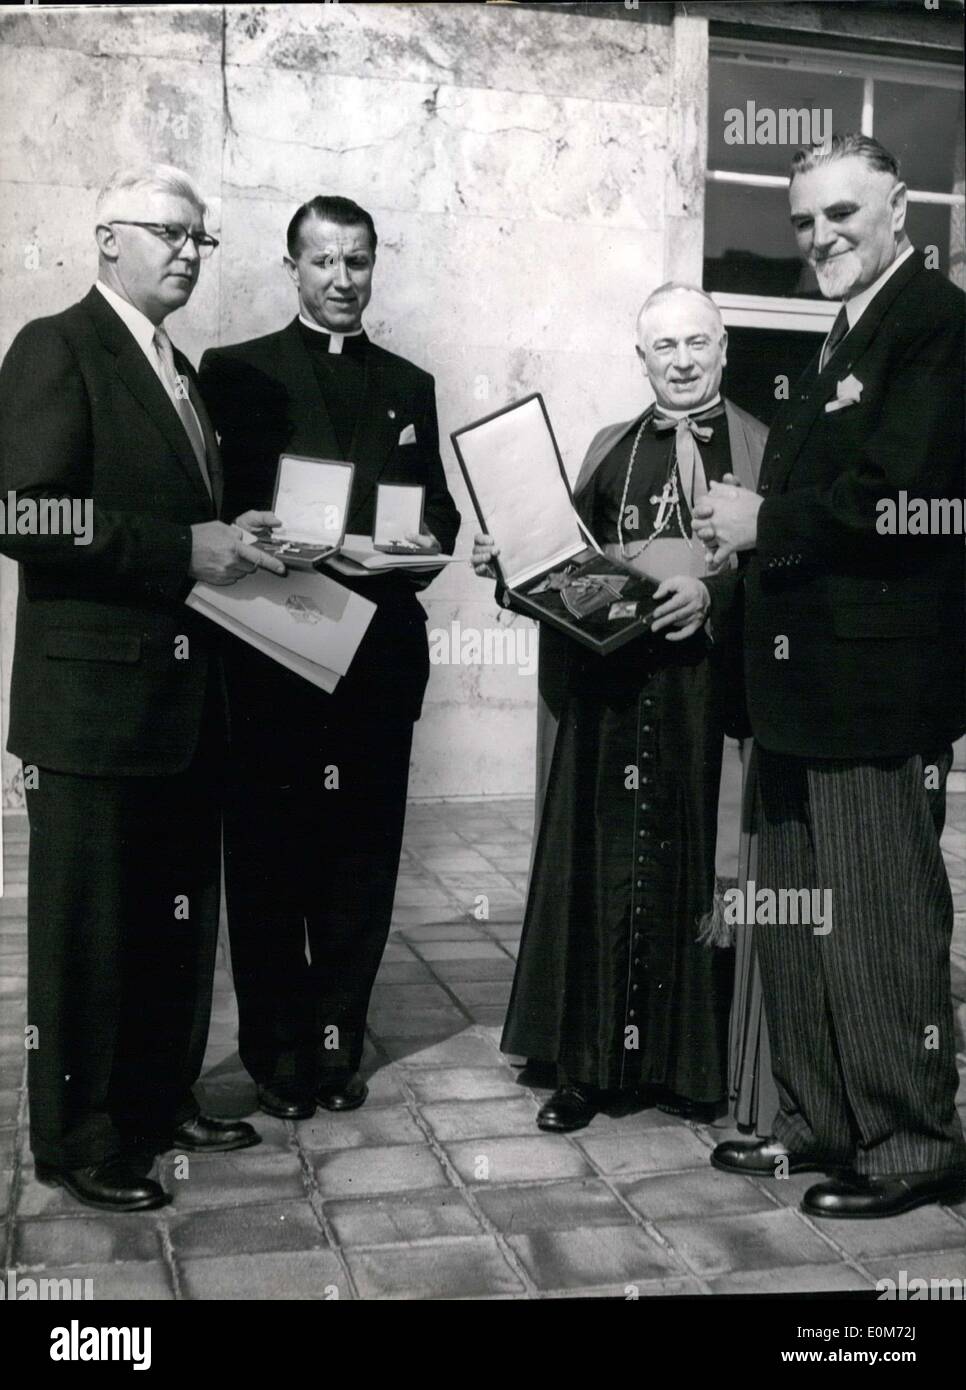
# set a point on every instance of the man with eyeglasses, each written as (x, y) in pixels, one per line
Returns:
(116, 705)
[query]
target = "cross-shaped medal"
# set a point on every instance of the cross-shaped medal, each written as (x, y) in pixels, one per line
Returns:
(667, 500)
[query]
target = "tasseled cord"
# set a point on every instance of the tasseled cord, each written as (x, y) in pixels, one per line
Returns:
(713, 930)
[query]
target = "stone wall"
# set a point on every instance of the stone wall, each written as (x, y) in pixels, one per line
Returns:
(533, 175)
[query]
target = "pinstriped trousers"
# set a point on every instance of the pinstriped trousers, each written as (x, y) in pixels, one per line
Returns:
(860, 1019)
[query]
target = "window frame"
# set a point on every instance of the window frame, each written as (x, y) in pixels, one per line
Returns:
(806, 315)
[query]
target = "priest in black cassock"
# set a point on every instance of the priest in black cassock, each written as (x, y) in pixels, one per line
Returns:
(612, 984)
(308, 862)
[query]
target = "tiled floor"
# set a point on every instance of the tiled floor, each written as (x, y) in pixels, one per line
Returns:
(441, 1186)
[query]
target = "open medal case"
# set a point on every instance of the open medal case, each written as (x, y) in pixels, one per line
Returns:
(550, 568)
(311, 500)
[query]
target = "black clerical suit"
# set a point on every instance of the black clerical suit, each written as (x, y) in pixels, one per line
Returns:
(116, 709)
(302, 857)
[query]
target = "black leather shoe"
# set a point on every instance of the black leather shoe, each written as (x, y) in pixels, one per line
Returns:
(203, 1135)
(759, 1159)
(854, 1196)
(343, 1095)
(570, 1107)
(287, 1105)
(114, 1185)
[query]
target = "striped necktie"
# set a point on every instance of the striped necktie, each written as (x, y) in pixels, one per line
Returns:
(839, 329)
(177, 388)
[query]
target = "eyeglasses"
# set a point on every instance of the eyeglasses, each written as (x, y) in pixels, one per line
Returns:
(173, 234)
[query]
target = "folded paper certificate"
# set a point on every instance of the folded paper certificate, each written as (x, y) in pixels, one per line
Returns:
(305, 613)
(318, 675)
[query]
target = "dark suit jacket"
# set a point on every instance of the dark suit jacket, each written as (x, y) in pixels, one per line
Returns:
(97, 687)
(264, 399)
(875, 624)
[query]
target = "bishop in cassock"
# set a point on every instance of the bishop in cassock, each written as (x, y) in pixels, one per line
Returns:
(612, 984)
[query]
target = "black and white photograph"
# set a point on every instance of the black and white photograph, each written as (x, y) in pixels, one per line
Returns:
(483, 656)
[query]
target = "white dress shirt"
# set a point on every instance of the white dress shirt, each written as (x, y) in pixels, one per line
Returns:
(142, 331)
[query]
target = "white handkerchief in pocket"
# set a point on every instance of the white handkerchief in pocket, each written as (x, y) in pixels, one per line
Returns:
(408, 435)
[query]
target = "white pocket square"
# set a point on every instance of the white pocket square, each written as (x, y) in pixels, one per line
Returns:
(408, 435)
(847, 392)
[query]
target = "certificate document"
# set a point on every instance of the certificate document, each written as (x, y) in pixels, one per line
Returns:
(511, 463)
(305, 613)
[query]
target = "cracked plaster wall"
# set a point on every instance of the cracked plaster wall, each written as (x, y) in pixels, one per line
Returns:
(533, 176)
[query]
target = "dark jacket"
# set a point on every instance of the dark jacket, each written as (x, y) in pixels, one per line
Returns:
(264, 399)
(98, 687)
(875, 624)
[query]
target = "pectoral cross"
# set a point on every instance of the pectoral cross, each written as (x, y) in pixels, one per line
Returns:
(666, 500)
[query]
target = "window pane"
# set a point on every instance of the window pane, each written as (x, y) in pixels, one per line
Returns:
(749, 245)
(928, 225)
(921, 126)
(733, 85)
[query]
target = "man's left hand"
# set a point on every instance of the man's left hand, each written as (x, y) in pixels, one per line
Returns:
(685, 607)
(727, 520)
(425, 540)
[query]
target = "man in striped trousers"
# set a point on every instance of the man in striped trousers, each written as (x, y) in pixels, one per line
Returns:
(854, 658)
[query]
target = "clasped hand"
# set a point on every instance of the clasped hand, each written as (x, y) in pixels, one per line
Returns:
(726, 519)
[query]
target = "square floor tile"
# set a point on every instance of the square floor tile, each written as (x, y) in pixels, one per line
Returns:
(517, 1160)
(664, 1149)
(386, 1124)
(371, 1172)
(471, 1119)
(95, 1239)
(462, 1268)
(926, 1228)
(553, 1206)
(462, 1083)
(250, 1230)
(315, 1275)
(232, 1180)
(392, 1220)
(596, 1255)
(703, 1192)
(815, 1278)
(760, 1240)
(129, 1281)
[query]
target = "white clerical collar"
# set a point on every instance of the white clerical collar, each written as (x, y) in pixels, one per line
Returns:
(857, 305)
(137, 323)
(692, 410)
(335, 339)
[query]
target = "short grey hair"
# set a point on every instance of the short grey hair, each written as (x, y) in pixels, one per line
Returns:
(113, 199)
(864, 147)
(675, 287)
